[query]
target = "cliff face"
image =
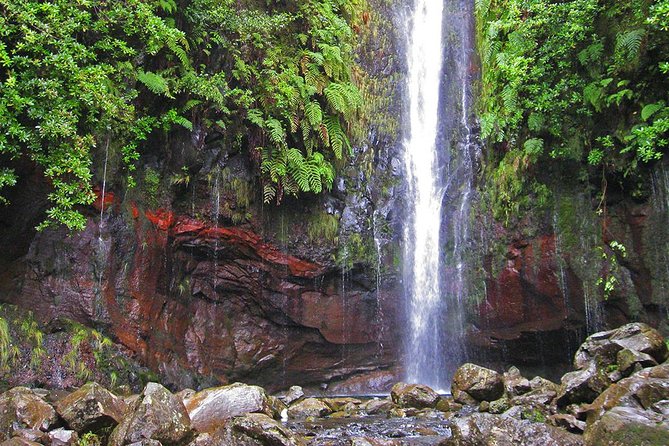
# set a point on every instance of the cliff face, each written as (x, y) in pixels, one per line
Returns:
(203, 282)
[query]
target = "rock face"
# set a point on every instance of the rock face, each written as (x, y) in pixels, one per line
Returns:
(210, 408)
(157, 415)
(92, 408)
(414, 395)
(477, 382)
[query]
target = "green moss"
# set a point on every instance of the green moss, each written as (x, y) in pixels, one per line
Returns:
(322, 226)
(357, 250)
(151, 187)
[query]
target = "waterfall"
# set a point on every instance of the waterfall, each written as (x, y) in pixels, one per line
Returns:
(439, 152)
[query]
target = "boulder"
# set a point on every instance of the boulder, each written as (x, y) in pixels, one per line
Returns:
(628, 359)
(376, 406)
(567, 421)
(92, 408)
(602, 348)
(582, 386)
(515, 383)
(262, 429)
(628, 426)
(539, 383)
(478, 382)
(32, 435)
(640, 391)
(18, 441)
(482, 429)
(63, 437)
(310, 407)
(414, 395)
(157, 415)
(22, 408)
(294, 394)
(209, 408)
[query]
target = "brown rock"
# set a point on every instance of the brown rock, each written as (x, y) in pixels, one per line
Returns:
(266, 431)
(628, 426)
(18, 441)
(157, 415)
(414, 395)
(478, 382)
(63, 437)
(209, 408)
(92, 408)
(22, 408)
(310, 407)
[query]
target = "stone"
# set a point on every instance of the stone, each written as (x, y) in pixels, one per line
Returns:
(265, 430)
(628, 426)
(346, 403)
(156, 415)
(499, 406)
(294, 394)
(18, 441)
(567, 421)
(22, 408)
(480, 383)
(640, 391)
(310, 407)
(515, 383)
(277, 407)
(627, 359)
(414, 395)
(661, 407)
(209, 408)
(377, 406)
(148, 442)
(33, 435)
(448, 404)
(602, 348)
(63, 437)
(535, 397)
(582, 386)
(92, 408)
(483, 429)
(539, 383)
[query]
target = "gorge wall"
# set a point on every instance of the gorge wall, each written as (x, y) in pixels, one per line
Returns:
(204, 283)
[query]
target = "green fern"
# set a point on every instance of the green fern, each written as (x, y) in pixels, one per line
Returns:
(628, 44)
(154, 82)
(313, 112)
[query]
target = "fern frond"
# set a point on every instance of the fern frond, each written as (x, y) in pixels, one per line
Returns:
(628, 44)
(154, 82)
(276, 132)
(313, 112)
(255, 117)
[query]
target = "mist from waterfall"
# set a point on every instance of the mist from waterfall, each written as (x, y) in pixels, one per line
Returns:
(439, 150)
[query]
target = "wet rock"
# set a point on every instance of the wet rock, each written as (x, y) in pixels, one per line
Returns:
(628, 426)
(640, 391)
(31, 435)
(661, 407)
(602, 348)
(338, 404)
(92, 408)
(582, 386)
(277, 407)
(209, 408)
(63, 437)
(515, 383)
(310, 407)
(414, 395)
(22, 408)
(18, 441)
(535, 397)
(567, 421)
(448, 404)
(295, 393)
(185, 394)
(478, 382)
(156, 415)
(499, 406)
(376, 406)
(543, 384)
(482, 429)
(627, 359)
(263, 429)
(148, 442)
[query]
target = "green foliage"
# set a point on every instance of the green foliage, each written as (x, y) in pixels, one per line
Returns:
(89, 439)
(577, 81)
(77, 76)
(322, 226)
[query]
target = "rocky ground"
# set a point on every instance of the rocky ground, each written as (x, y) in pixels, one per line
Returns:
(619, 395)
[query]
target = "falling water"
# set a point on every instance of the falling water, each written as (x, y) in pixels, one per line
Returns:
(440, 149)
